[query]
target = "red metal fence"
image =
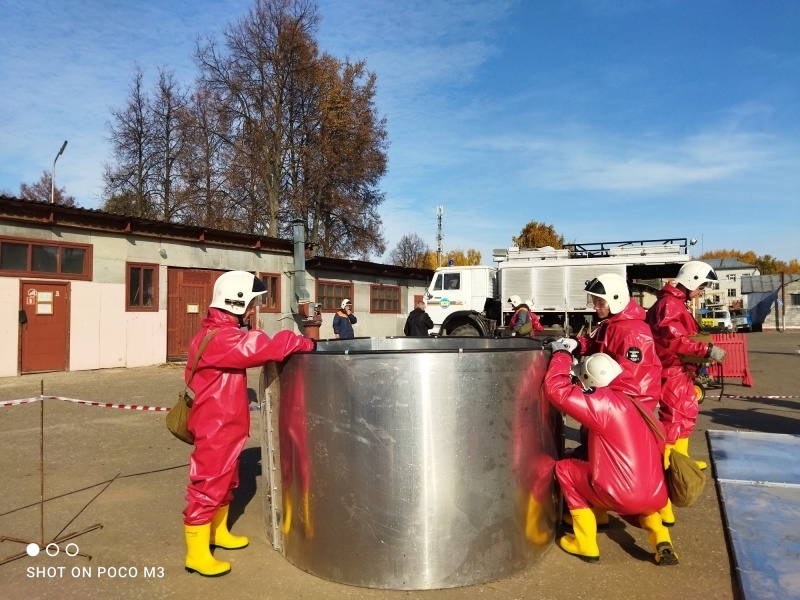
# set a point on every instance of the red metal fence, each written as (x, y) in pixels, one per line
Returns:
(735, 363)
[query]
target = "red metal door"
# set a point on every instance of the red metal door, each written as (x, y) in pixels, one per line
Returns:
(44, 337)
(188, 296)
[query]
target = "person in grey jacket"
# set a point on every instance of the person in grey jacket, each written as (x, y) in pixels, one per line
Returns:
(344, 320)
(523, 321)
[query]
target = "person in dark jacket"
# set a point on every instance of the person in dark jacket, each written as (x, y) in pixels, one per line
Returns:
(344, 320)
(418, 322)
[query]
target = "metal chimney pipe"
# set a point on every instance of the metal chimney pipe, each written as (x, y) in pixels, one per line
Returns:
(301, 295)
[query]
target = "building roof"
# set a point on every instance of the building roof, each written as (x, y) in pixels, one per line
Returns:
(44, 213)
(359, 266)
(765, 283)
(727, 263)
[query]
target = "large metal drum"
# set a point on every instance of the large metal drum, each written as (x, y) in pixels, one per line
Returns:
(410, 463)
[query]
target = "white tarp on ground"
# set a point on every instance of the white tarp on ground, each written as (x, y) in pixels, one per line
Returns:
(759, 486)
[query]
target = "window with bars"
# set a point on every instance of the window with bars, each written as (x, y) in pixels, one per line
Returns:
(384, 299)
(37, 258)
(272, 299)
(141, 282)
(330, 295)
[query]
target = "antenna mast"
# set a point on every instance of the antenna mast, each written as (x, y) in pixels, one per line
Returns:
(439, 236)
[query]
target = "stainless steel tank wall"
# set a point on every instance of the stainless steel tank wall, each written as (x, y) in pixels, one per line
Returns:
(410, 463)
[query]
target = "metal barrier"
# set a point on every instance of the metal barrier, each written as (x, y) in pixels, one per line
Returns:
(735, 364)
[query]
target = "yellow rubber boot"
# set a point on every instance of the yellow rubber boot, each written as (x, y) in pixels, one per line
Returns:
(584, 543)
(682, 446)
(667, 515)
(198, 552)
(220, 536)
(667, 450)
(600, 517)
(659, 539)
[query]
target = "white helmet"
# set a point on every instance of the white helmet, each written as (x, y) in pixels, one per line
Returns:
(612, 288)
(234, 290)
(345, 302)
(515, 300)
(695, 273)
(597, 370)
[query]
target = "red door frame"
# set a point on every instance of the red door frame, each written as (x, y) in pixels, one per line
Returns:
(43, 327)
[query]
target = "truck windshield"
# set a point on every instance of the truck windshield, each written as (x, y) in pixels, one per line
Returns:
(438, 284)
(452, 281)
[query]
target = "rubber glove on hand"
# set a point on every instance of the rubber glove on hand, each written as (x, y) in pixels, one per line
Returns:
(717, 354)
(556, 346)
(570, 344)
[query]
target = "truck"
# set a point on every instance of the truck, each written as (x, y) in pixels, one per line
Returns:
(740, 320)
(474, 300)
(717, 318)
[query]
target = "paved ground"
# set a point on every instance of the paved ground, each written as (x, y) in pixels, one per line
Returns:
(122, 469)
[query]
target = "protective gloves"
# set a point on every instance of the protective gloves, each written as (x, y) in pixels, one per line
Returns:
(570, 344)
(716, 353)
(556, 346)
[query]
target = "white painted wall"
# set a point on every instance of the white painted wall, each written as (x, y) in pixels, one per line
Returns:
(9, 325)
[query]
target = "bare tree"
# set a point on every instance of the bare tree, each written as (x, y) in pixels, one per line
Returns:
(274, 131)
(129, 178)
(40, 191)
(410, 251)
(205, 163)
(264, 53)
(168, 145)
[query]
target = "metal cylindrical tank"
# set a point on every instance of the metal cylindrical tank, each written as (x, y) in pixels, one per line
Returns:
(410, 463)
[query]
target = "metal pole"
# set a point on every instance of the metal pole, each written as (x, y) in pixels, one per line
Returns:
(53, 176)
(41, 464)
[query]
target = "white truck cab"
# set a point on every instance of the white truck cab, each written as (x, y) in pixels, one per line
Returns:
(457, 299)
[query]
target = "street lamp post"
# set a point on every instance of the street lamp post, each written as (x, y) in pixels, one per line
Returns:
(53, 176)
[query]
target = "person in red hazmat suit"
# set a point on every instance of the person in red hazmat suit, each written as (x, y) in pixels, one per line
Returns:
(220, 416)
(624, 468)
(673, 327)
(622, 334)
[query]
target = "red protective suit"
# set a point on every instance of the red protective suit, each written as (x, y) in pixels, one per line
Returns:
(624, 472)
(672, 324)
(628, 340)
(220, 417)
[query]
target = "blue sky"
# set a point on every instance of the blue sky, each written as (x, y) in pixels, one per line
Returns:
(609, 119)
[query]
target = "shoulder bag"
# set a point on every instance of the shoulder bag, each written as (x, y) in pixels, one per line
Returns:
(178, 417)
(685, 480)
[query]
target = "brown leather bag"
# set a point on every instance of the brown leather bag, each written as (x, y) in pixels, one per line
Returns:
(685, 480)
(178, 417)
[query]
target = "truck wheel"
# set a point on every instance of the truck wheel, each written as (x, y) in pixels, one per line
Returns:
(465, 330)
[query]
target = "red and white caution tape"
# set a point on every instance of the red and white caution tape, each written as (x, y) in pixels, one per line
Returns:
(84, 402)
(109, 405)
(759, 397)
(20, 401)
(100, 404)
